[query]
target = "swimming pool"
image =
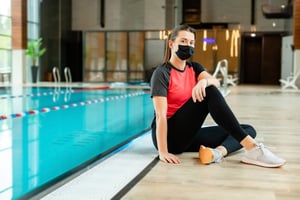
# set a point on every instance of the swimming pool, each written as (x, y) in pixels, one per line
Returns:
(48, 133)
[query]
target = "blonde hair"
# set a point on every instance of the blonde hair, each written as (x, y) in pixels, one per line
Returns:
(172, 36)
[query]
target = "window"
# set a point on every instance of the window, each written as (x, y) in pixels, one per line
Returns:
(33, 9)
(114, 56)
(5, 36)
(136, 56)
(94, 56)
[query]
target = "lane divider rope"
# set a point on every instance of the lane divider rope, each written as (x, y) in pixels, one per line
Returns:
(52, 93)
(39, 94)
(66, 106)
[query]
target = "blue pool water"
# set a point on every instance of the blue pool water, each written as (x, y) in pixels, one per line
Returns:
(47, 133)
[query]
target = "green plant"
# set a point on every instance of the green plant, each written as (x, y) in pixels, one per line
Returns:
(34, 50)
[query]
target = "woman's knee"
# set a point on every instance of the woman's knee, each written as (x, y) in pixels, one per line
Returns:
(211, 88)
(213, 92)
(250, 130)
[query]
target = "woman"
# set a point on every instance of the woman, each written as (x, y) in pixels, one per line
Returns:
(183, 94)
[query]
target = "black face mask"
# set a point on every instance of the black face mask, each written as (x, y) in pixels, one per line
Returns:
(184, 52)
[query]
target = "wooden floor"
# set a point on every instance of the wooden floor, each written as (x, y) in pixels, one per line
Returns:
(276, 116)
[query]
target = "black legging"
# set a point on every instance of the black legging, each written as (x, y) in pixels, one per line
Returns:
(185, 131)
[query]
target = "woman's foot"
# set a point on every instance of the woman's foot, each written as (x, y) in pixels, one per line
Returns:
(208, 155)
(263, 157)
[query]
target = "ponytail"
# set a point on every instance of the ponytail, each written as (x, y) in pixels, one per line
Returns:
(167, 50)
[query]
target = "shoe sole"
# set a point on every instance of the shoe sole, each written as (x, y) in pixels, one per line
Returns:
(261, 164)
(206, 155)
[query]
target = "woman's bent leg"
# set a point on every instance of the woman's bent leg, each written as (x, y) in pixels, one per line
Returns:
(222, 114)
(214, 136)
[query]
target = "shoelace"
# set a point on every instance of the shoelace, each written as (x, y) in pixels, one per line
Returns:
(262, 147)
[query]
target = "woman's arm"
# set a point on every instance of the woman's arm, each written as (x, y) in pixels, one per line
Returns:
(209, 78)
(204, 80)
(160, 107)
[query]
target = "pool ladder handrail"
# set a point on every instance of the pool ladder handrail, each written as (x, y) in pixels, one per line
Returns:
(56, 75)
(68, 75)
(222, 67)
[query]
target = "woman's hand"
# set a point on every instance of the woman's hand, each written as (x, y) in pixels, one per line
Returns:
(169, 158)
(198, 92)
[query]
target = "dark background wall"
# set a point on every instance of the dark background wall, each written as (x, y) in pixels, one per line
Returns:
(261, 58)
(64, 46)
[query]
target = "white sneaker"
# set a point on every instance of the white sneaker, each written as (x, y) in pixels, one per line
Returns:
(263, 157)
